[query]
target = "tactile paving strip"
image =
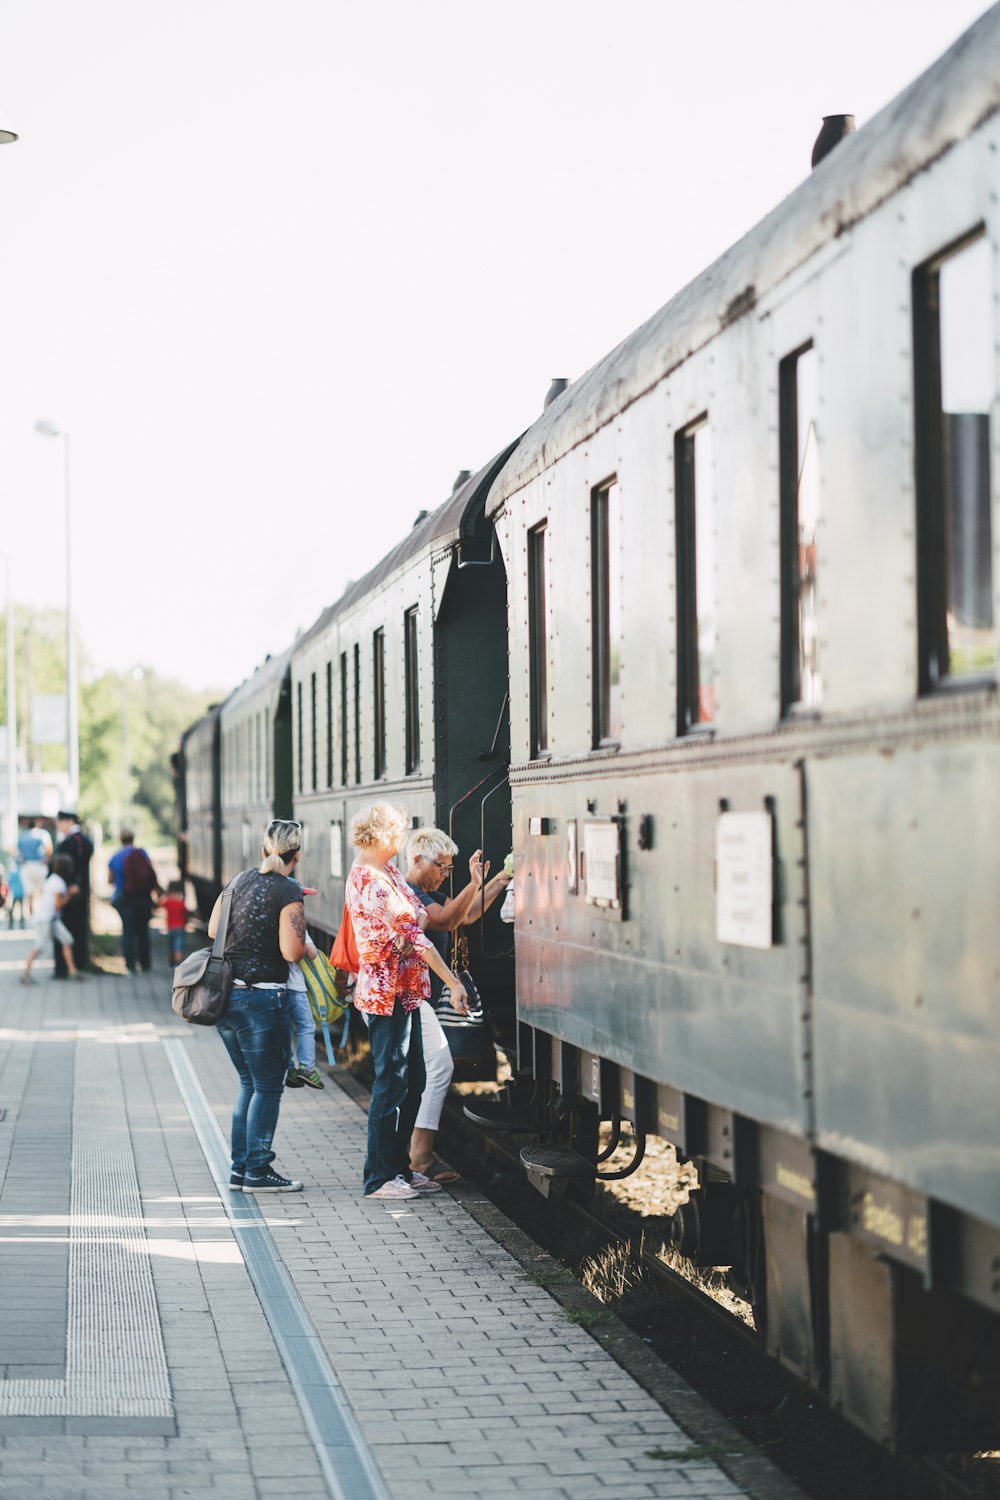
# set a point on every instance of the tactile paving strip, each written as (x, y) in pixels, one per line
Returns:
(116, 1366)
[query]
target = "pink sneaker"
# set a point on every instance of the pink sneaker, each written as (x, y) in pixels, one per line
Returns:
(397, 1188)
(423, 1183)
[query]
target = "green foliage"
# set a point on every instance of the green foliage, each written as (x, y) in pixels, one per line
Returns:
(129, 727)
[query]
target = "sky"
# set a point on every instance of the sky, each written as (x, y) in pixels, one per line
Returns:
(281, 271)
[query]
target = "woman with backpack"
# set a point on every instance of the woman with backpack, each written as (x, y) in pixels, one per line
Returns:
(266, 932)
(131, 872)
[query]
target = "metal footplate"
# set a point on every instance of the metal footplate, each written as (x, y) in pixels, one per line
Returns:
(495, 1115)
(551, 1169)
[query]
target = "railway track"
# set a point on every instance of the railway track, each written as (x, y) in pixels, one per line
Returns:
(713, 1347)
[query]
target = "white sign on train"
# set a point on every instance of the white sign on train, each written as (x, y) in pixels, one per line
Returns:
(601, 864)
(744, 879)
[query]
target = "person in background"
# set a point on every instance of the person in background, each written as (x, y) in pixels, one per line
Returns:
(175, 909)
(305, 1072)
(430, 855)
(266, 932)
(394, 956)
(49, 926)
(34, 849)
(75, 846)
(15, 894)
(131, 873)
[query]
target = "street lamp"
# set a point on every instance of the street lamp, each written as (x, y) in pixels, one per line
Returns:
(10, 832)
(128, 811)
(49, 429)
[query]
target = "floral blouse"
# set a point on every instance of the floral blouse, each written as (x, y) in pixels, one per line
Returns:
(383, 908)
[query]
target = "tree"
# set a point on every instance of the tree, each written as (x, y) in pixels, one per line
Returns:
(130, 725)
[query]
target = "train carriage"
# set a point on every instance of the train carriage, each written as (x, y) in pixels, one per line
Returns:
(199, 817)
(255, 771)
(399, 693)
(755, 758)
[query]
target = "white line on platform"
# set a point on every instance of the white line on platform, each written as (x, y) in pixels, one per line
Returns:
(345, 1458)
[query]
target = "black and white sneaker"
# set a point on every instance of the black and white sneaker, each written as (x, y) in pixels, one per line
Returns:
(236, 1180)
(270, 1182)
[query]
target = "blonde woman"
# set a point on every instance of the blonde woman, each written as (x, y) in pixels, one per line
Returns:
(266, 932)
(392, 982)
(430, 855)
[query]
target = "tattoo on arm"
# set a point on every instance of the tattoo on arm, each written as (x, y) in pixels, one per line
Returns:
(297, 915)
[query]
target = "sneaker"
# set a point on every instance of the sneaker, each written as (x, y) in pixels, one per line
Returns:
(311, 1078)
(423, 1183)
(293, 1081)
(270, 1182)
(28, 979)
(236, 1180)
(397, 1188)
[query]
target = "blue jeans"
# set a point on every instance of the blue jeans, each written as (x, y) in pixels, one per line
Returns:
(257, 1032)
(398, 1055)
(305, 1028)
(135, 912)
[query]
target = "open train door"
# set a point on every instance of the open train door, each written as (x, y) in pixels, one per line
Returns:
(472, 728)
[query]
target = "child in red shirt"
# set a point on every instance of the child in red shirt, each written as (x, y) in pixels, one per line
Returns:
(177, 915)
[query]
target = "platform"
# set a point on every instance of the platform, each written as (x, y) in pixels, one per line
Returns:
(163, 1337)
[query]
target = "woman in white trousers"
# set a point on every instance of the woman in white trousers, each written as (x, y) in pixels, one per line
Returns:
(430, 858)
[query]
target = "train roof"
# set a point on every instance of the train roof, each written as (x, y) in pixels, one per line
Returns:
(266, 681)
(939, 109)
(205, 723)
(454, 522)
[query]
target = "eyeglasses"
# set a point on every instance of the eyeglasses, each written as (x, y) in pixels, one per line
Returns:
(283, 823)
(446, 868)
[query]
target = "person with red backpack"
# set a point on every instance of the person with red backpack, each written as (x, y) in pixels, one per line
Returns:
(131, 871)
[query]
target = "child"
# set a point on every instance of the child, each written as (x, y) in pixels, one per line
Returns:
(177, 915)
(48, 923)
(305, 1071)
(16, 895)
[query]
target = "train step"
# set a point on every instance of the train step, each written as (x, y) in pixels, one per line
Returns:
(497, 1114)
(551, 1169)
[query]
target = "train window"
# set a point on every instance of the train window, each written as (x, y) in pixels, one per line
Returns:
(312, 716)
(343, 718)
(357, 712)
(801, 679)
(329, 723)
(257, 759)
(267, 755)
(954, 388)
(378, 702)
(412, 691)
(538, 644)
(299, 735)
(606, 594)
(694, 505)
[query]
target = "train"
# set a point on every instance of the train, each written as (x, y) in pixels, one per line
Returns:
(713, 646)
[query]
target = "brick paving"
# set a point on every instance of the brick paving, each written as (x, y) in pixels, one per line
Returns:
(464, 1376)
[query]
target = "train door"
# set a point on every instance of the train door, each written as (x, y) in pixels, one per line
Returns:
(472, 755)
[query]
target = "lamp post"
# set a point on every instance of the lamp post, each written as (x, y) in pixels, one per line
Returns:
(10, 831)
(128, 811)
(49, 429)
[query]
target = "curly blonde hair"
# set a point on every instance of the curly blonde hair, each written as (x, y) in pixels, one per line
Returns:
(381, 826)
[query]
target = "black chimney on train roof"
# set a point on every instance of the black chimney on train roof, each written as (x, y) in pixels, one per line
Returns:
(834, 128)
(559, 384)
(463, 475)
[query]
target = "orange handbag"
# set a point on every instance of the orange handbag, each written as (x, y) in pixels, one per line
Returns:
(344, 953)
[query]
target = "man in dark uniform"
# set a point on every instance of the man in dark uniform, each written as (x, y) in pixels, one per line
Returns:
(74, 843)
